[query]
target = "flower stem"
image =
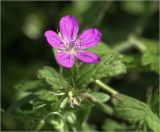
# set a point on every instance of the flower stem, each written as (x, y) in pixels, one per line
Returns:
(106, 87)
(61, 76)
(77, 67)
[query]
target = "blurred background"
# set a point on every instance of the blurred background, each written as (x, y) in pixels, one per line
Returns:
(24, 48)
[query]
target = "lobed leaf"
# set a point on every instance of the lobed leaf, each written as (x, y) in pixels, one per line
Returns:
(154, 102)
(128, 108)
(110, 65)
(30, 85)
(152, 60)
(135, 111)
(46, 95)
(52, 77)
(70, 117)
(99, 97)
(82, 115)
(152, 120)
(104, 107)
(112, 125)
(151, 54)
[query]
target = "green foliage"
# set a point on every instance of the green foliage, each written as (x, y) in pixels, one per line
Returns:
(151, 55)
(152, 120)
(52, 77)
(46, 95)
(128, 108)
(154, 101)
(61, 99)
(110, 66)
(53, 92)
(99, 97)
(82, 114)
(112, 125)
(30, 85)
(135, 111)
(152, 60)
(101, 49)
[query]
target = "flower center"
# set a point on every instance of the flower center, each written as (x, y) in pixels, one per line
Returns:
(71, 48)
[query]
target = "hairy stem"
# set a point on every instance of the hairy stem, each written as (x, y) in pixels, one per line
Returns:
(61, 76)
(106, 87)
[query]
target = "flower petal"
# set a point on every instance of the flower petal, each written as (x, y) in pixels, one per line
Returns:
(65, 59)
(88, 57)
(90, 38)
(53, 39)
(69, 27)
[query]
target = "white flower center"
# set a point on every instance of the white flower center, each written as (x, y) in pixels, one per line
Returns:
(72, 47)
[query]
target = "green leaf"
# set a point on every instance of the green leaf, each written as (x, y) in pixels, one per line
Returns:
(110, 66)
(112, 125)
(99, 97)
(133, 63)
(87, 127)
(151, 45)
(21, 102)
(64, 103)
(30, 85)
(155, 101)
(100, 49)
(152, 60)
(54, 52)
(38, 125)
(120, 99)
(135, 111)
(52, 77)
(46, 95)
(104, 107)
(70, 117)
(129, 108)
(151, 54)
(82, 115)
(152, 120)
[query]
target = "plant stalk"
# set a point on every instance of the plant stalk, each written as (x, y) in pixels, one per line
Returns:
(106, 87)
(131, 42)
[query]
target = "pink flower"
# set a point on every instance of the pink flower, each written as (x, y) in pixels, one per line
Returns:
(70, 45)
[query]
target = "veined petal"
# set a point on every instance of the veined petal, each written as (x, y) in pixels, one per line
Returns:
(53, 39)
(88, 57)
(65, 59)
(90, 38)
(69, 27)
